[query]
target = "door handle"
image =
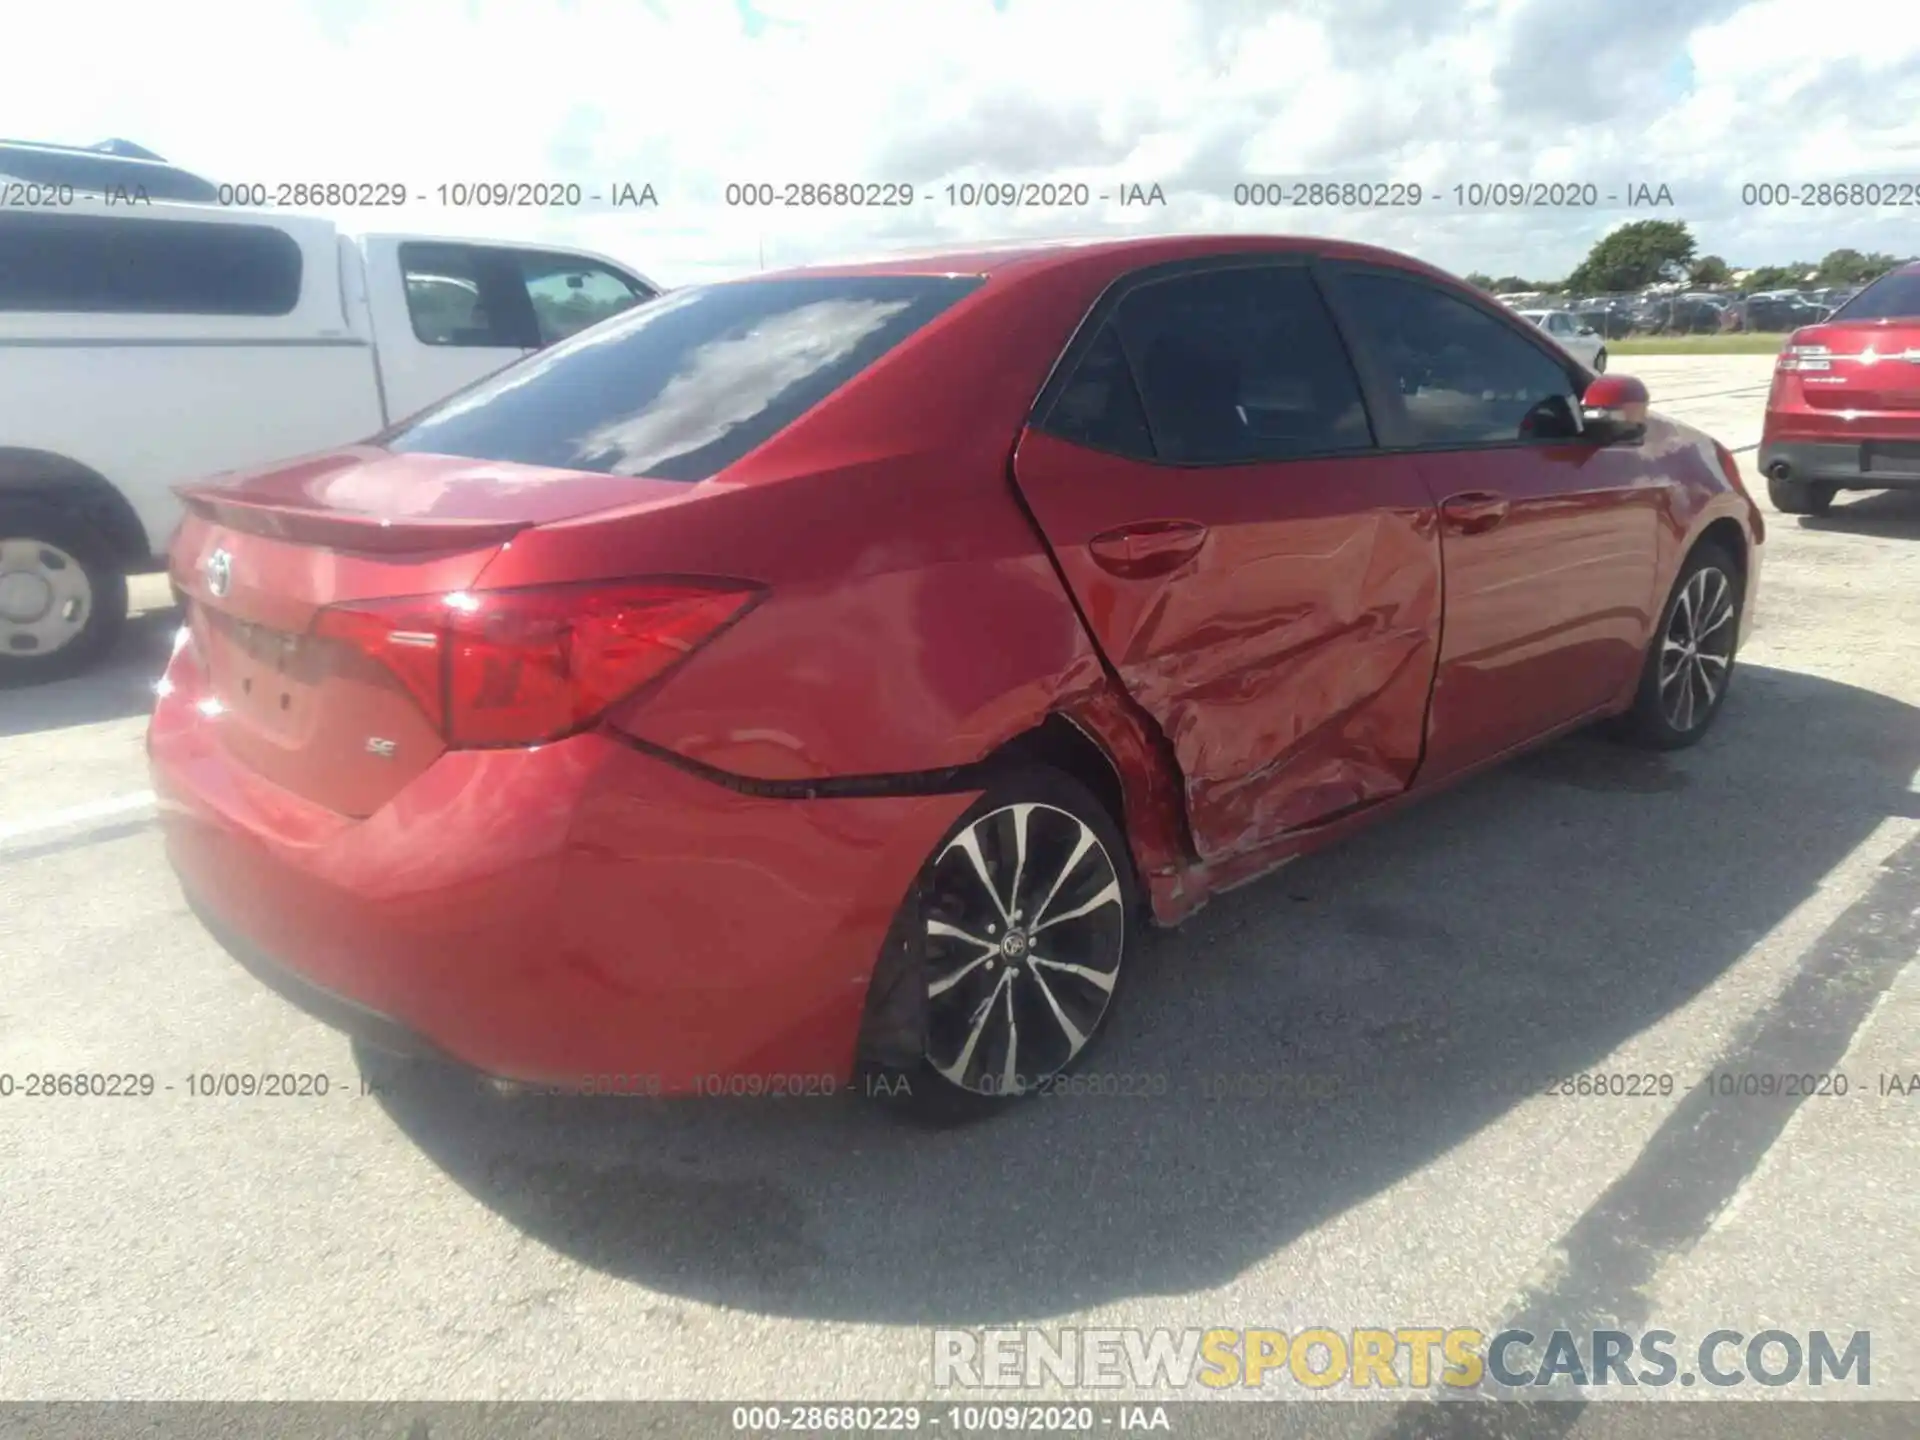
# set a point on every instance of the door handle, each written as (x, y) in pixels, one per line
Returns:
(1149, 548)
(1473, 512)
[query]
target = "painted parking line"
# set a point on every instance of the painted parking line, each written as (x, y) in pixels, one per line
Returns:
(115, 808)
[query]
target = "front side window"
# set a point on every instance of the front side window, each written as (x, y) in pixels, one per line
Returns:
(681, 387)
(85, 264)
(1461, 376)
(570, 293)
(467, 296)
(1241, 365)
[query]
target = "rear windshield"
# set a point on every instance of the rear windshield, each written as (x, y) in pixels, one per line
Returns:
(682, 386)
(1891, 297)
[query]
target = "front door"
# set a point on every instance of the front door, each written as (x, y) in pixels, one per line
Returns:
(1263, 580)
(1548, 540)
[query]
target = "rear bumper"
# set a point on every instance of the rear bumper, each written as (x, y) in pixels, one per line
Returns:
(554, 916)
(1857, 464)
(347, 1016)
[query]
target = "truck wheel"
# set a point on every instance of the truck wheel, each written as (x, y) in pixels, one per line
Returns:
(63, 597)
(1800, 497)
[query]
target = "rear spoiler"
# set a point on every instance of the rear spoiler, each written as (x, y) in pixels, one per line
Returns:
(342, 529)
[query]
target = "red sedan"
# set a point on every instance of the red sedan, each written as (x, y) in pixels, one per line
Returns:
(1844, 409)
(830, 671)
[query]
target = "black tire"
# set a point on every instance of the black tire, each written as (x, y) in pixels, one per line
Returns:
(954, 1014)
(1800, 497)
(1675, 705)
(25, 657)
(1600, 362)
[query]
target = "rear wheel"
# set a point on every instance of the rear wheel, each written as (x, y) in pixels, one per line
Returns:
(63, 597)
(1800, 497)
(1689, 665)
(1007, 955)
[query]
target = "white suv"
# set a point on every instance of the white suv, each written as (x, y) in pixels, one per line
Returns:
(146, 345)
(1577, 338)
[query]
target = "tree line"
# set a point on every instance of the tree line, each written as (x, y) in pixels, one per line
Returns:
(1648, 252)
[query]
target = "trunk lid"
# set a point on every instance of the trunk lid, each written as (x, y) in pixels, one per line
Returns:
(261, 554)
(1870, 365)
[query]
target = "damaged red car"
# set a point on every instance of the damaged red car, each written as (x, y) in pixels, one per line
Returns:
(833, 670)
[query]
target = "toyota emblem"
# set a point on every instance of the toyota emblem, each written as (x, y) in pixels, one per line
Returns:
(219, 572)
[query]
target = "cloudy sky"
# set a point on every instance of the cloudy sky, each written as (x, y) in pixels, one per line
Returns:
(1195, 96)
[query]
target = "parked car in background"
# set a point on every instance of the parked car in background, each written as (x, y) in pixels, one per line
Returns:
(835, 669)
(1844, 409)
(143, 346)
(1569, 334)
(1609, 317)
(1783, 310)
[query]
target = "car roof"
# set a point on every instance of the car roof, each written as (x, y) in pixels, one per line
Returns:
(1035, 256)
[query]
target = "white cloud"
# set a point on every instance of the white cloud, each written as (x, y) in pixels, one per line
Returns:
(1190, 94)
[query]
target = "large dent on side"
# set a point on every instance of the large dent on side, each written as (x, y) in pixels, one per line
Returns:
(1281, 717)
(1152, 792)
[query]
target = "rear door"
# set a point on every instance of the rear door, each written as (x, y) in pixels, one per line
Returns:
(1265, 582)
(1549, 540)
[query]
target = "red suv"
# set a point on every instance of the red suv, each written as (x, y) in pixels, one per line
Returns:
(834, 669)
(1844, 412)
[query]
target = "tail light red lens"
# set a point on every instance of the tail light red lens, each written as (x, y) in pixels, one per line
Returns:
(520, 667)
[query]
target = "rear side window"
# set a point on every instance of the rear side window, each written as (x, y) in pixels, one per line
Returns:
(84, 264)
(1891, 297)
(1099, 407)
(1241, 365)
(683, 386)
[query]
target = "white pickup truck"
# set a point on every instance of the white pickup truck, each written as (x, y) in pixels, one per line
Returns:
(144, 345)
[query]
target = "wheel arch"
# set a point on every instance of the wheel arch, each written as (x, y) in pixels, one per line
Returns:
(1729, 536)
(67, 484)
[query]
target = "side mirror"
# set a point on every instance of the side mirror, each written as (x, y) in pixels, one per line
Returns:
(1614, 409)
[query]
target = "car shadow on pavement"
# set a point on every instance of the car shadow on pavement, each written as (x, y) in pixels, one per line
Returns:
(1304, 1043)
(119, 686)
(1892, 513)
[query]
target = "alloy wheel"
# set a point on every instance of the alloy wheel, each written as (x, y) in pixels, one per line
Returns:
(1696, 653)
(45, 597)
(1025, 929)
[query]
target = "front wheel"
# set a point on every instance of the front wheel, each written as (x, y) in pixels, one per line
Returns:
(1010, 947)
(1689, 665)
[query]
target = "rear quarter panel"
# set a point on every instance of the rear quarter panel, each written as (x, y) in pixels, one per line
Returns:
(913, 619)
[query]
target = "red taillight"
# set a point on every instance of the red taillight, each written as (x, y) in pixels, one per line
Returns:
(1795, 356)
(519, 667)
